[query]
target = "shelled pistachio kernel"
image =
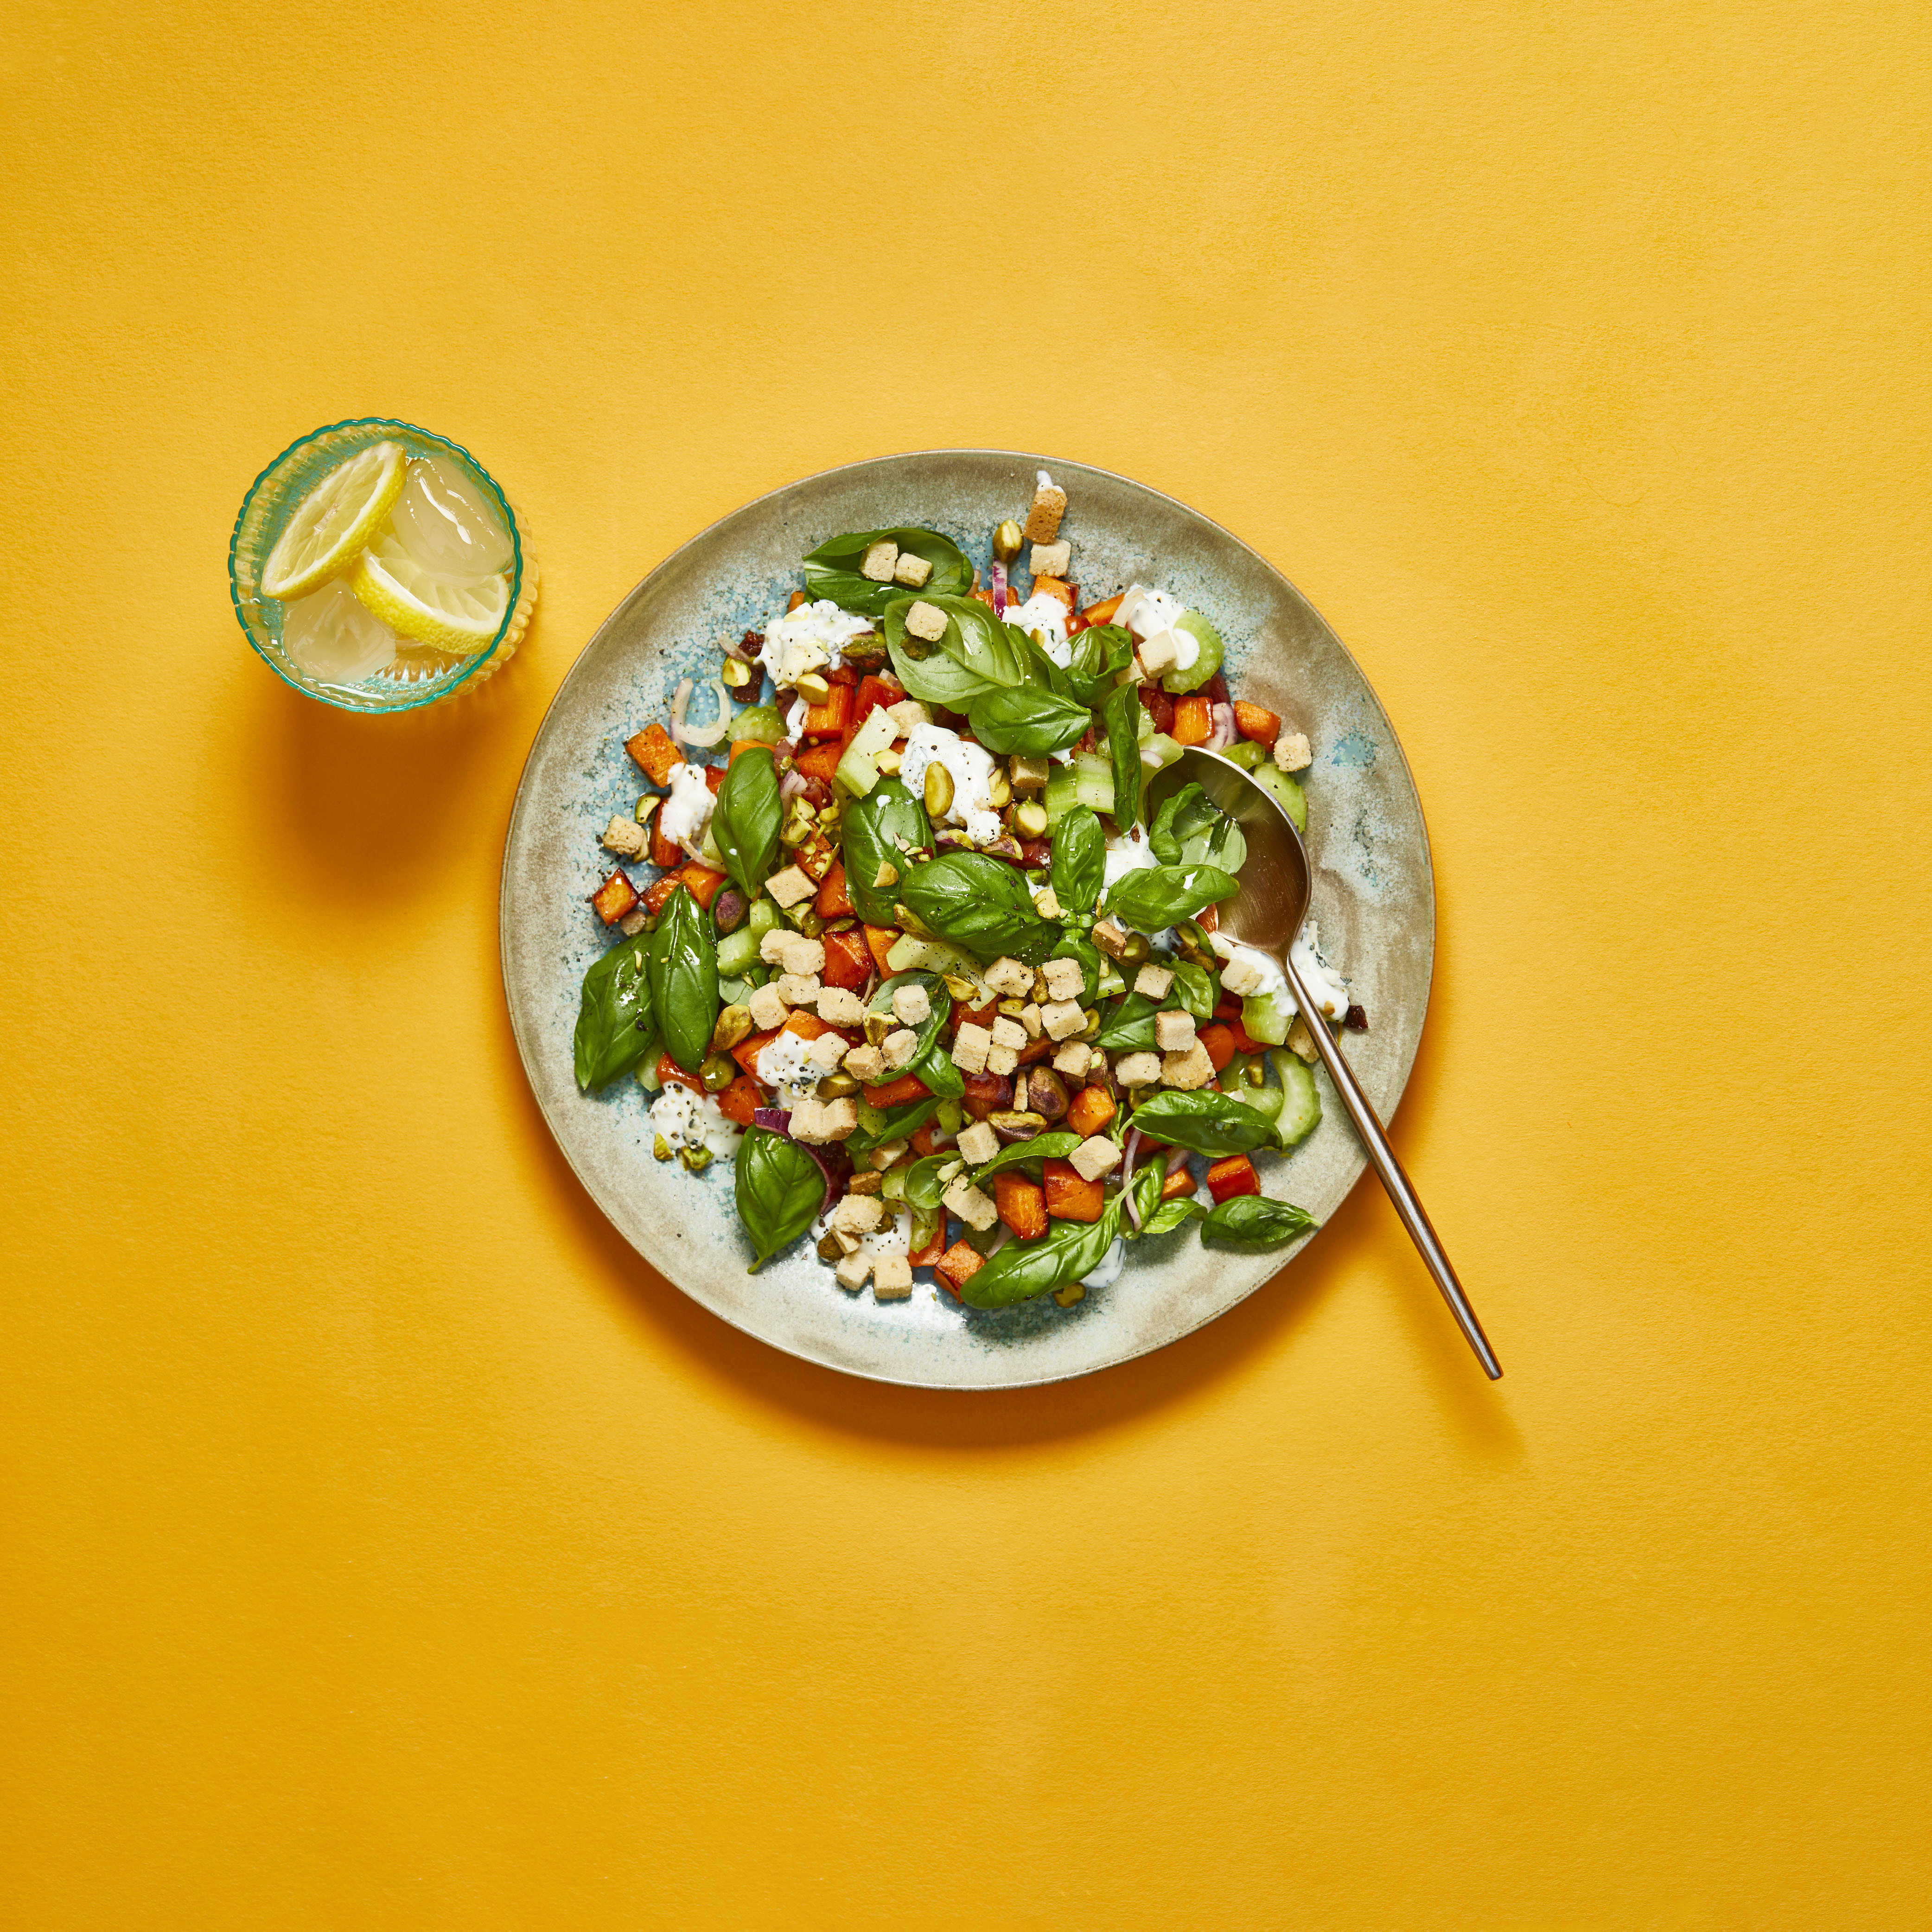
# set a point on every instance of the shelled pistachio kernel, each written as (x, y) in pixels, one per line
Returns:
(837, 1086)
(737, 674)
(799, 824)
(1093, 1025)
(734, 1025)
(814, 688)
(661, 1148)
(1074, 1291)
(718, 1072)
(1030, 819)
(1007, 539)
(961, 989)
(999, 789)
(938, 791)
(696, 1158)
(648, 804)
(1253, 1074)
(1012, 1008)
(877, 1025)
(1135, 952)
(828, 1249)
(888, 763)
(806, 920)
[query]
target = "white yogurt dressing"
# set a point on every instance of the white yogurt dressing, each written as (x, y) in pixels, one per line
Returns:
(1127, 852)
(685, 1121)
(685, 816)
(1108, 1272)
(807, 639)
(1045, 616)
(794, 717)
(971, 766)
(1148, 613)
(785, 1063)
(1331, 995)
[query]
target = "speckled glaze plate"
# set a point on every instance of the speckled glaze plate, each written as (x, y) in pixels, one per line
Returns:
(1374, 900)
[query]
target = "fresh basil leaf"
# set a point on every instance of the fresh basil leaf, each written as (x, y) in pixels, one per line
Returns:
(745, 824)
(1077, 945)
(930, 1061)
(1194, 988)
(780, 1190)
(1156, 895)
(1023, 718)
(1120, 714)
(923, 1187)
(1043, 1147)
(1041, 670)
(980, 904)
(978, 652)
(833, 569)
(1098, 656)
(1079, 860)
(1129, 1028)
(900, 1123)
(683, 973)
(614, 1029)
(1147, 1180)
(1204, 1122)
(1023, 1269)
(872, 829)
(1251, 1223)
(1191, 830)
(1170, 1214)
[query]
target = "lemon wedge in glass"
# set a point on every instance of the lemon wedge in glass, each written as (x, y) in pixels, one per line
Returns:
(335, 521)
(451, 613)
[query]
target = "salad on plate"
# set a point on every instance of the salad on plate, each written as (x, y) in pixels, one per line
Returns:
(912, 955)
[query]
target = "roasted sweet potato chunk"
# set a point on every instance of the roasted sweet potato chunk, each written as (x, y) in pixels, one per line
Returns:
(1192, 725)
(958, 1265)
(879, 941)
(1070, 1199)
(1090, 1109)
(656, 753)
(897, 1092)
(1234, 1175)
(1022, 1203)
(1252, 721)
(847, 962)
(833, 901)
(615, 897)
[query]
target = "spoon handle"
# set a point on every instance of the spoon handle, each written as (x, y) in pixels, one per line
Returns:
(1381, 1158)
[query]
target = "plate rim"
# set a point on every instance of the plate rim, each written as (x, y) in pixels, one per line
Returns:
(524, 1048)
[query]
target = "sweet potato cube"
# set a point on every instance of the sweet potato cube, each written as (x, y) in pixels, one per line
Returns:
(1191, 724)
(1252, 722)
(654, 753)
(820, 762)
(741, 1099)
(847, 962)
(834, 901)
(714, 777)
(1102, 613)
(746, 1052)
(815, 857)
(1179, 1184)
(958, 1266)
(665, 852)
(1022, 1203)
(829, 720)
(1070, 1199)
(1219, 1042)
(897, 1092)
(880, 940)
(670, 1074)
(928, 1253)
(1091, 1109)
(1057, 587)
(615, 897)
(703, 881)
(1234, 1175)
(987, 1093)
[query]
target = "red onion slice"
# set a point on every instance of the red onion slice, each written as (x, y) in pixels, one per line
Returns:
(1127, 1153)
(1222, 717)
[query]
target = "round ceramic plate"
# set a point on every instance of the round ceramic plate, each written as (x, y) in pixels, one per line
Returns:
(1374, 901)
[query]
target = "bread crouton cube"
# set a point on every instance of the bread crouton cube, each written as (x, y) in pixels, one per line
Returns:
(1292, 753)
(899, 1047)
(1066, 978)
(1159, 654)
(912, 570)
(970, 1045)
(852, 1271)
(926, 621)
(891, 1277)
(908, 713)
(634, 922)
(1094, 1157)
(880, 560)
(767, 1008)
(1002, 1061)
(1044, 513)
(790, 887)
(800, 955)
(979, 1143)
(654, 753)
(1050, 559)
(858, 1213)
(1071, 1058)
(1188, 1068)
(866, 1065)
(1137, 1069)
(1009, 979)
(1301, 1042)
(1031, 1022)
(615, 897)
(1246, 974)
(1009, 1033)
(862, 1183)
(626, 837)
(974, 1208)
(1152, 982)
(816, 1122)
(1030, 774)
(839, 1006)
(1062, 1019)
(911, 1006)
(1110, 937)
(798, 989)
(825, 1051)
(1174, 1032)
(771, 948)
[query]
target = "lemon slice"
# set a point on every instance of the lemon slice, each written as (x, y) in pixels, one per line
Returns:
(453, 613)
(335, 519)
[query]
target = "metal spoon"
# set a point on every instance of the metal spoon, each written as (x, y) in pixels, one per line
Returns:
(1268, 913)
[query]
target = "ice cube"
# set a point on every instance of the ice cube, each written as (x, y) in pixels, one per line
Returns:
(444, 522)
(330, 634)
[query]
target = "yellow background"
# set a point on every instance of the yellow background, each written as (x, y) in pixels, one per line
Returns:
(388, 1548)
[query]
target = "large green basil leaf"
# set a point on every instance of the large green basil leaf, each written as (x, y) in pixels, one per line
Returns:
(1121, 713)
(1024, 719)
(780, 1190)
(683, 970)
(1170, 1215)
(1251, 1223)
(1191, 830)
(1077, 945)
(872, 829)
(1193, 987)
(923, 1187)
(1079, 860)
(1205, 1122)
(1129, 1028)
(930, 1061)
(978, 652)
(833, 569)
(1099, 655)
(1055, 1146)
(1157, 896)
(613, 1022)
(745, 824)
(980, 903)
(1041, 670)
(900, 1123)
(1023, 1269)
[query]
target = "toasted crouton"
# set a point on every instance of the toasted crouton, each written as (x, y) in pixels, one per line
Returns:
(878, 562)
(974, 1208)
(654, 753)
(767, 1008)
(1174, 1032)
(1158, 654)
(1110, 937)
(926, 621)
(817, 1122)
(1062, 1019)
(1094, 1157)
(1043, 515)
(1071, 1059)
(866, 1065)
(898, 1047)
(1009, 979)
(839, 1006)
(1301, 1042)
(1002, 1060)
(1009, 1033)
(626, 837)
(1188, 1068)
(979, 1143)
(789, 887)
(1138, 1069)
(825, 1051)
(799, 955)
(911, 570)
(911, 1006)
(858, 1213)
(891, 1277)
(850, 1273)
(1152, 982)
(1066, 978)
(1050, 559)
(1292, 753)
(798, 989)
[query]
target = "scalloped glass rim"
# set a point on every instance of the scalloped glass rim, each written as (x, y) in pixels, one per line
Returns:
(267, 646)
